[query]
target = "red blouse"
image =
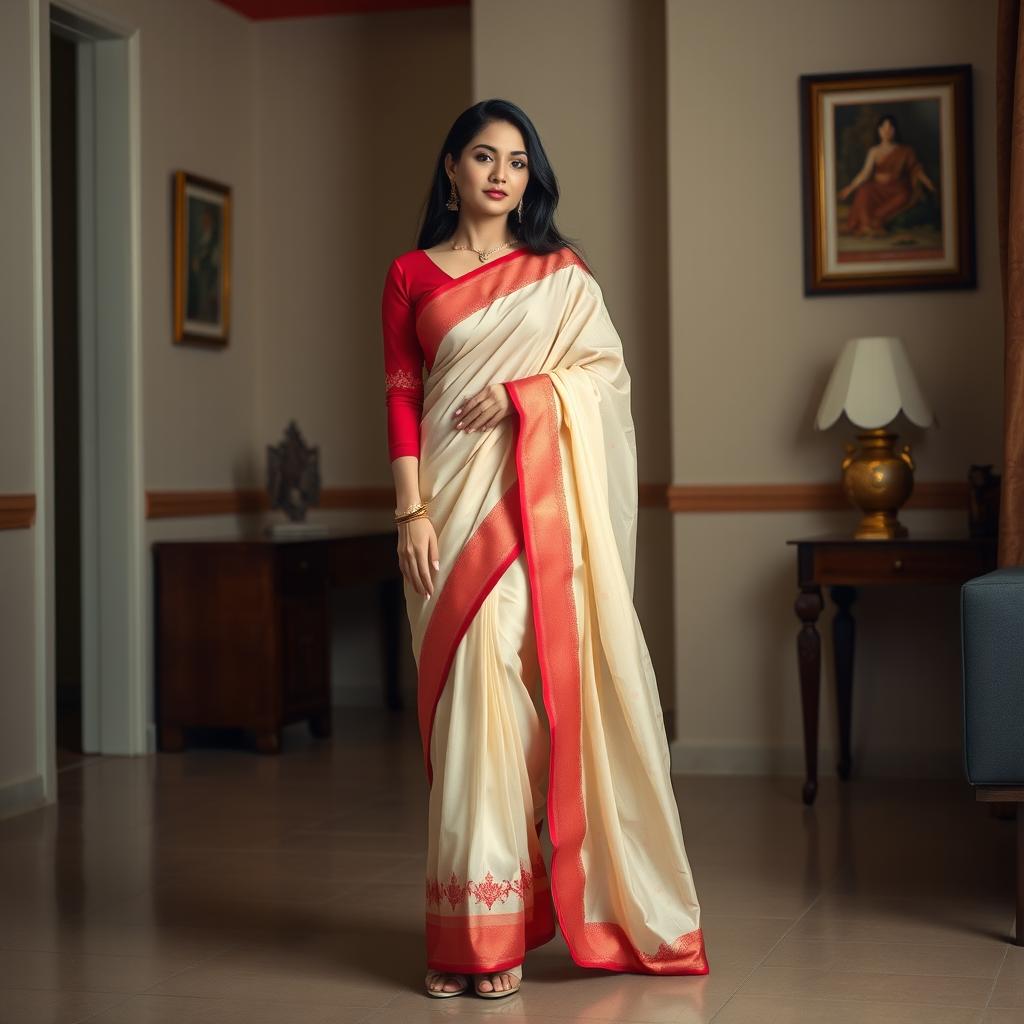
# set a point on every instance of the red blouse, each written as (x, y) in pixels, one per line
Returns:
(410, 278)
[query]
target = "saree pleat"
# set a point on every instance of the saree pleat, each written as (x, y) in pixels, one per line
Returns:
(487, 896)
(537, 696)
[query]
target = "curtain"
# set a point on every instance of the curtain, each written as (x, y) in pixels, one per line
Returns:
(1010, 186)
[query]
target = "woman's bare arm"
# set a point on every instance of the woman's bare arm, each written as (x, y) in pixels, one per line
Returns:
(862, 175)
(405, 470)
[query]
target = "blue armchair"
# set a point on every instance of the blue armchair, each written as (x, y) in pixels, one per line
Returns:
(992, 648)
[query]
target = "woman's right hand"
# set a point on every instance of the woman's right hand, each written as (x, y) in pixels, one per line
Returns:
(417, 554)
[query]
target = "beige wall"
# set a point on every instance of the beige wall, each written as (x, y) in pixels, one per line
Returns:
(750, 356)
(197, 62)
(352, 111)
(601, 118)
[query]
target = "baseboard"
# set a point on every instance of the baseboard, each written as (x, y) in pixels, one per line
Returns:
(724, 759)
(736, 759)
(19, 797)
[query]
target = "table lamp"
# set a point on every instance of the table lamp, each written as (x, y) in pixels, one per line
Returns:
(871, 382)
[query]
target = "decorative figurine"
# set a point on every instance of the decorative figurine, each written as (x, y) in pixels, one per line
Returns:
(293, 481)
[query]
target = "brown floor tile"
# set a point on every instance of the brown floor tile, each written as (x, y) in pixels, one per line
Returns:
(743, 1009)
(927, 990)
(1003, 1016)
(888, 957)
(35, 1006)
(1009, 987)
(277, 984)
(218, 885)
(155, 1009)
(29, 969)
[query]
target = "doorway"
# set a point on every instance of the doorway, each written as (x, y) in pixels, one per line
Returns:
(67, 550)
(93, 674)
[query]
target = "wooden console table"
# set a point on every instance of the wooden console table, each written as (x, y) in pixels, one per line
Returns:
(843, 564)
(242, 630)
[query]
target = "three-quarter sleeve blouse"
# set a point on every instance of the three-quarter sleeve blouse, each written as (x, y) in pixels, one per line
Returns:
(410, 280)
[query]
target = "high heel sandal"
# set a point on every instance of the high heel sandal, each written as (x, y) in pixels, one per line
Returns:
(440, 993)
(494, 993)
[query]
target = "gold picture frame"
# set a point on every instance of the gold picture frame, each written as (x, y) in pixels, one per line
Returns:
(888, 180)
(202, 260)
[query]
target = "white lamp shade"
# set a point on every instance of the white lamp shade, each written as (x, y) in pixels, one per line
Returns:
(871, 382)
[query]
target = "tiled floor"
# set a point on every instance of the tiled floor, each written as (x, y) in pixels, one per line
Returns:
(221, 886)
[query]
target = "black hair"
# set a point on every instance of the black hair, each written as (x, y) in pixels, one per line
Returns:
(895, 124)
(537, 230)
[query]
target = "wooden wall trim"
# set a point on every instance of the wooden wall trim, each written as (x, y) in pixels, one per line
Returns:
(182, 504)
(17, 511)
(799, 497)
(676, 497)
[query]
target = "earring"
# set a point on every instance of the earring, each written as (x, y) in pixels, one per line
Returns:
(453, 199)
(520, 209)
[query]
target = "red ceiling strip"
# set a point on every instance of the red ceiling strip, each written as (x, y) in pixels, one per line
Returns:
(264, 10)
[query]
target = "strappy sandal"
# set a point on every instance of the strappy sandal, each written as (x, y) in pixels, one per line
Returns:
(495, 993)
(441, 993)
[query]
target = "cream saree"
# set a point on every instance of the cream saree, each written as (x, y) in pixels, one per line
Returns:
(536, 692)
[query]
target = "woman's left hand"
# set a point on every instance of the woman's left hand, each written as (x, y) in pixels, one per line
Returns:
(488, 406)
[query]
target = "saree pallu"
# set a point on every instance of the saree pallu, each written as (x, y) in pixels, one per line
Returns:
(536, 692)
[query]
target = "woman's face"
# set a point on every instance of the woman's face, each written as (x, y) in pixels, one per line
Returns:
(886, 131)
(494, 159)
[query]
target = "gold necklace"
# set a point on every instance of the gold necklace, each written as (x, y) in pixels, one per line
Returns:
(485, 253)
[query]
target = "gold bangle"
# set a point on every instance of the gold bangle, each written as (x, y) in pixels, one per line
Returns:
(412, 508)
(412, 512)
(408, 519)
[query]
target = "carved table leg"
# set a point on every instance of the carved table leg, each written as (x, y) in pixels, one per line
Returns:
(808, 648)
(843, 633)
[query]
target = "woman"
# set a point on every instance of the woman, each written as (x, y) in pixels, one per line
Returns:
(535, 688)
(886, 185)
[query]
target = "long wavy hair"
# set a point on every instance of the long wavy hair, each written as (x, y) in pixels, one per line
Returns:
(537, 231)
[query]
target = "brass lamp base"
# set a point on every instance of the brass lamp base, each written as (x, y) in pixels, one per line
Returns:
(878, 480)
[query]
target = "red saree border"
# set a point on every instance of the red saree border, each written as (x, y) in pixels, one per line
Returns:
(494, 546)
(472, 944)
(450, 303)
(548, 542)
(492, 941)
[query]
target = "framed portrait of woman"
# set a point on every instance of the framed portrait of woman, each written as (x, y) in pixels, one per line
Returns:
(888, 188)
(202, 259)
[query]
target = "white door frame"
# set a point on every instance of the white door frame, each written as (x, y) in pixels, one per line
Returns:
(113, 518)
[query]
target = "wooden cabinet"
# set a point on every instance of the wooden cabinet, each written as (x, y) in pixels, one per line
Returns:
(243, 631)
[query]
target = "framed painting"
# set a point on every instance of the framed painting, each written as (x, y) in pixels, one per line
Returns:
(202, 259)
(888, 180)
